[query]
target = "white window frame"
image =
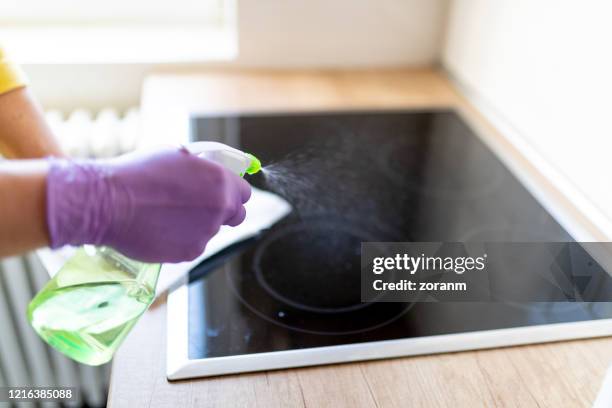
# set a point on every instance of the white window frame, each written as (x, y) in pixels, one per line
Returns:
(102, 35)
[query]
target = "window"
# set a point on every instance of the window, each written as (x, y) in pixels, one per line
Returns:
(118, 31)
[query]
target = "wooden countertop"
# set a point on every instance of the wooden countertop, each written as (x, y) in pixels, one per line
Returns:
(563, 374)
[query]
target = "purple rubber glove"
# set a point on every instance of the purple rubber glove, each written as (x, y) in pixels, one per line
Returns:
(162, 206)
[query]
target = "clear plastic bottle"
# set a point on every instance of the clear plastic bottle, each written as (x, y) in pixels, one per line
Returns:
(92, 303)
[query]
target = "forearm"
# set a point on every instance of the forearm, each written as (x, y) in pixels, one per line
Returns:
(24, 133)
(23, 224)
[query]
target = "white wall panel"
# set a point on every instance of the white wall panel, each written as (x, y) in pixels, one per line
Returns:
(546, 67)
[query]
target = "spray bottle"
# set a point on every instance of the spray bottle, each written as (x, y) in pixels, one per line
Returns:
(87, 309)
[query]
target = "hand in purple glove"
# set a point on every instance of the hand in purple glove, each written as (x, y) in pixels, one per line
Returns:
(155, 207)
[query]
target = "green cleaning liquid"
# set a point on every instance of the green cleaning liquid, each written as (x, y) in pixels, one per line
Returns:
(89, 307)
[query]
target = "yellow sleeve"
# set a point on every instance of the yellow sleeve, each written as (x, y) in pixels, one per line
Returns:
(11, 76)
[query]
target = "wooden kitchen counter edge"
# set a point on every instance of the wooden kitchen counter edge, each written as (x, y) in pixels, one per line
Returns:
(544, 375)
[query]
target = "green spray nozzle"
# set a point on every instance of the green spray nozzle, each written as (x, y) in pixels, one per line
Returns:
(238, 162)
(254, 166)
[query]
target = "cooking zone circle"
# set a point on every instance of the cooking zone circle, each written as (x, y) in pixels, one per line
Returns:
(323, 274)
(427, 165)
(318, 288)
(519, 234)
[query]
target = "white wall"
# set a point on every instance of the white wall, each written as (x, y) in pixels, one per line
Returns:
(277, 34)
(546, 67)
(340, 33)
(66, 87)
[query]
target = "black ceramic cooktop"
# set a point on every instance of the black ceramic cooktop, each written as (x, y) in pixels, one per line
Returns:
(354, 177)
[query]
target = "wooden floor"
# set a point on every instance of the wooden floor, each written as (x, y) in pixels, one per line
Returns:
(565, 374)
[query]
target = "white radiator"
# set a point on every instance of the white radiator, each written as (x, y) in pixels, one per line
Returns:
(25, 360)
(106, 134)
